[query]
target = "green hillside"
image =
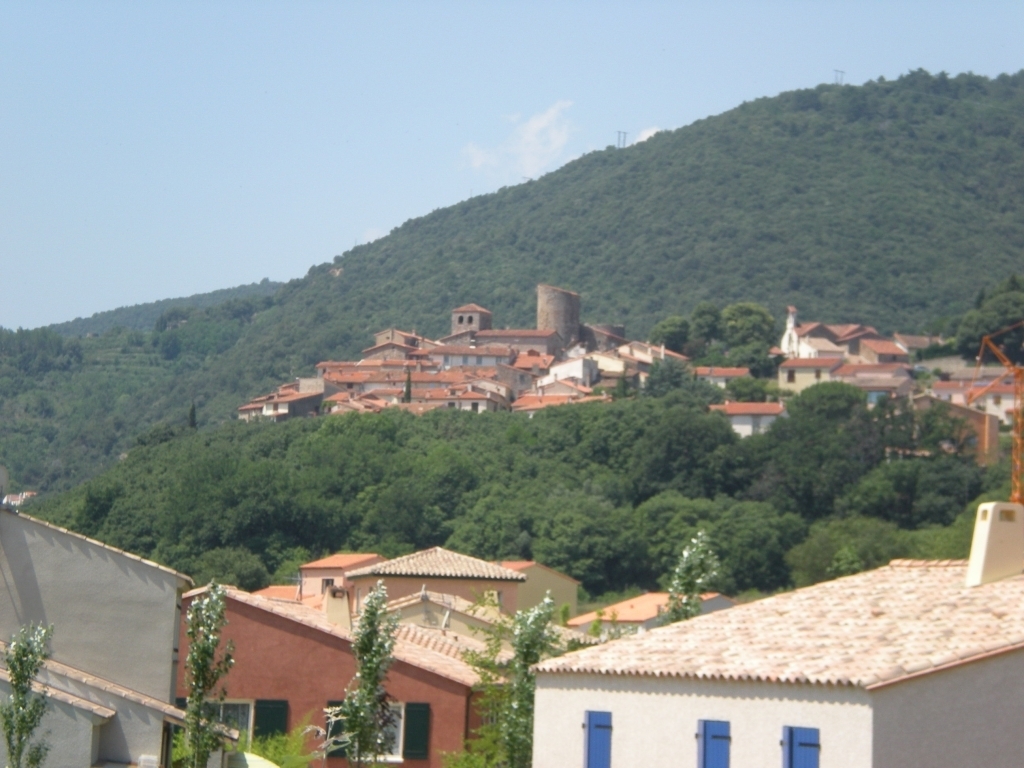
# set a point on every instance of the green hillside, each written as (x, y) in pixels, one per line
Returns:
(609, 493)
(142, 317)
(892, 203)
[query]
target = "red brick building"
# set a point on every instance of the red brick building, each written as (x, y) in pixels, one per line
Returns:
(291, 662)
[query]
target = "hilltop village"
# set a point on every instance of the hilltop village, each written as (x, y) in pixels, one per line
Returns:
(480, 368)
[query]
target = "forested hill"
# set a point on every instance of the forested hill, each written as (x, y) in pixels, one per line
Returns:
(892, 203)
(143, 317)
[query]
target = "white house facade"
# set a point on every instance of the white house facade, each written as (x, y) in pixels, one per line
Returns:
(918, 663)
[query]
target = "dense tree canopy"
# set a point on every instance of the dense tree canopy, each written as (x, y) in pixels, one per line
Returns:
(607, 492)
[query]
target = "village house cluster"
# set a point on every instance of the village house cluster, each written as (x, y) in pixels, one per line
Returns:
(479, 368)
(475, 368)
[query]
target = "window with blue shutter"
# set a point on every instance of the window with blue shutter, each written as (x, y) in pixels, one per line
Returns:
(713, 744)
(597, 746)
(801, 747)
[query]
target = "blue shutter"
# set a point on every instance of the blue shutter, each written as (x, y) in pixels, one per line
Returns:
(800, 747)
(597, 752)
(713, 744)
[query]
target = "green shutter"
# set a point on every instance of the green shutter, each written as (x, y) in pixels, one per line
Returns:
(416, 745)
(271, 718)
(335, 731)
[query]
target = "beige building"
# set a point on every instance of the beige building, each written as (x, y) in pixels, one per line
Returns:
(539, 581)
(918, 663)
(110, 680)
(442, 571)
(799, 373)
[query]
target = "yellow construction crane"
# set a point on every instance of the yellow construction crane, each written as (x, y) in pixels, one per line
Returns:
(1017, 372)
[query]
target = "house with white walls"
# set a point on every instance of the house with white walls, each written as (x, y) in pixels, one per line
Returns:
(109, 682)
(750, 418)
(917, 663)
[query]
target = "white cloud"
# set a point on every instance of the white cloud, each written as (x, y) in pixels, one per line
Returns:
(534, 147)
(645, 134)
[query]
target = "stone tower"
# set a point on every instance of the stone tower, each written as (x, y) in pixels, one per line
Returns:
(470, 317)
(559, 310)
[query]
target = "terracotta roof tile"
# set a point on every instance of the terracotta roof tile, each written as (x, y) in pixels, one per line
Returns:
(632, 610)
(343, 560)
(871, 629)
(528, 333)
(440, 563)
(407, 649)
(883, 347)
(750, 409)
(720, 370)
(825, 363)
(490, 350)
(471, 308)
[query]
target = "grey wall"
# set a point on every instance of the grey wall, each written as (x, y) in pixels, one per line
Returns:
(114, 616)
(72, 734)
(965, 716)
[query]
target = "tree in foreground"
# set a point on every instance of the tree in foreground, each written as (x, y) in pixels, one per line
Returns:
(205, 666)
(363, 724)
(693, 574)
(22, 713)
(507, 685)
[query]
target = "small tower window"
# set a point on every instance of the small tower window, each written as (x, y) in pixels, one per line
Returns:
(461, 319)
(469, 320)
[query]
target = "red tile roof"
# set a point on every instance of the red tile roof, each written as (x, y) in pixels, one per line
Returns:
(720, 370)
(344, 560)
(494, 350)
(825, 363)
(634, 610)
(750, 409)
(884, 347)
(472, 308)
(522, 332)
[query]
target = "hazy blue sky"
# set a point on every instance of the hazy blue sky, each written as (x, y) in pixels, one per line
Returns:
(151, 150)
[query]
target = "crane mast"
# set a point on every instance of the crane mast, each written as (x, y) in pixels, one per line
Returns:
(1017, 373)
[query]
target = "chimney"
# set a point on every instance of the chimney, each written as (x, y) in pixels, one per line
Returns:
(997, 550)
(337, 608)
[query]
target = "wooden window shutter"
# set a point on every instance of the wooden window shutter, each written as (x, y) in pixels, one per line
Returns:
(416, 744)
(713, 742)
(598, 740)
(801, 747)
(270, 717)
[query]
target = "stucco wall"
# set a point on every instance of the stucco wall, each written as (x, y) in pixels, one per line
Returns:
(113, 615)
(539, 581)
(276, 658)
(70, 732)
(966, 716)
(654, 720)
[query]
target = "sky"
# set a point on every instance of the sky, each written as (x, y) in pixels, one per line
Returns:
(160, 149)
